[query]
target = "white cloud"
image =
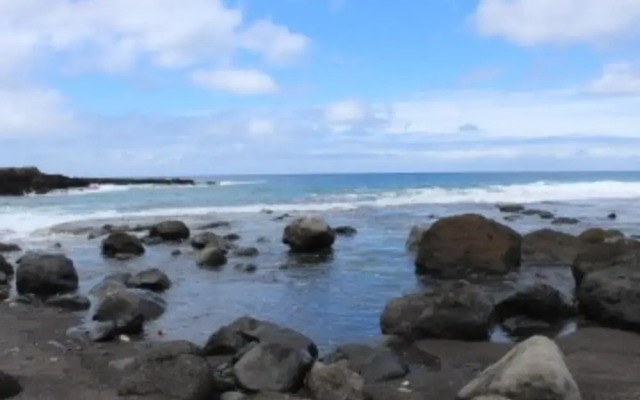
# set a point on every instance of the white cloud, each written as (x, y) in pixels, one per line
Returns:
(346, 112)
(238, 81)
(531, 22)
(276, 42)
(29, 112)
(617, 79)
(260, 127)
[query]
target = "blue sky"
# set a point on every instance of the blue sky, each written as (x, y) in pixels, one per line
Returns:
(181, 87)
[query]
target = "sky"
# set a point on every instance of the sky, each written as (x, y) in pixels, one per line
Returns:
(199, 87)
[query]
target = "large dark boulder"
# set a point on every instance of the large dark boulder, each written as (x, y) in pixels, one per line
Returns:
(9, 386)
(150, 279)
(455, 247)
(596, 256)
(121, 243)
(459, 311)
(127, 304)
(173, 370)
(308, 235)
(599, 235)
(611, 297)
(373, 363)
(5, 266)
(46, 275)
(9, 247)
(272, 367)
(170, 231)
(334, 382)
(232, 338)
(547, 247)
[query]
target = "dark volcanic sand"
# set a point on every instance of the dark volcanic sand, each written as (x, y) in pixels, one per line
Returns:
(50, 365)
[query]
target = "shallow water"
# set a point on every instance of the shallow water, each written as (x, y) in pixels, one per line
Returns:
(337, 300)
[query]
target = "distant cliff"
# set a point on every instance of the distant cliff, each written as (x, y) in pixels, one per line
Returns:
(21, 181)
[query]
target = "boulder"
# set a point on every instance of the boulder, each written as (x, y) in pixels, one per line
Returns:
(599, 235)
(209, 239)
(5, 266)
(611, 297)
(373, 363)
(612, 216)
(511, 208)
(46, 275)
(232, 338)
(415, 235)
(212, 256)
(532, 370)
(9, 386)
(9, 247)
(110, 283)
(272, 367)
(308, 235)
(457, 246)
(334, 382)
(215, 225)
(4, 279)
(170, 231)
(5, 292)
(172, 370)
(121, 243)
(346, 231)
(547, 247)
(231, 237)
(127, 304)
(104, 331)
(151, 279)
(540, 213)
(248, 268)
(565, 221)
(596, 256)
(460, 311)
(69, 302)
(246, 252)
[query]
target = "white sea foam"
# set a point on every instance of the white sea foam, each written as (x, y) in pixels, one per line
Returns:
(22, 221)
(240, 183)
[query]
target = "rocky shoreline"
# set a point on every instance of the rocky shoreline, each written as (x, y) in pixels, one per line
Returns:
(27, 180)
(435, 343)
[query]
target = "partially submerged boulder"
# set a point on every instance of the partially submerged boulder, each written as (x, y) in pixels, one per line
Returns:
(460, 311)
(212, 256)
(170, 231)
(210, 239)
(546, 247)
(127, 304)
(69, 302)
(151, 279)
(533, 370)
(46, 275)
(308, 235)
(373, 363)
(511, 208)
(346, 231)
(122, 243)
(611, 297)
(457, 246)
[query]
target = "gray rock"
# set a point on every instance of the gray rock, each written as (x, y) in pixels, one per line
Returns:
(510, 208)
(540, 213)
(4, 279)
(308, 235)
(69, 302)
(170, 231)
(415, 235)
(103, 331)
(460, 311)
(373, 363)
(231, 237)
(565, 221)
(111, 283)
(538, 301)
(176, 252)
(611, 297)
(121, 243)
(9, 247)
(246, 252)
(215, 225)
(233, 396)
(209, 239)
(170, 371)
(151, 279)
(533, 370)
(247, 268)
(547, 247)
(272, 367)
(335, 382)
(5, 292)
(458, 246)
(212, 257)
(346, 231)
(5, 266)
(46, 275)
(599, 235)
(127, 304)
(596, 256)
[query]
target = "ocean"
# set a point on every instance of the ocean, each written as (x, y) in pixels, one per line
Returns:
(334, 300)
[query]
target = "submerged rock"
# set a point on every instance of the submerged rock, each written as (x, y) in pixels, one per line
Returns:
(547, 247)
(170, 231)
(246, 252)
(455, 247)
(460, 311)
(215, 225)
(346, 231)
(511, 208)
(151, 279)
(533, 370)
(565, 221)
(308, 235)
(122, 243)
(540, 213)
(46, 275)
(212, 256)
(209, 239)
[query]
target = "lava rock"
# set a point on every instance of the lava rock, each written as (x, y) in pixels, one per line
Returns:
(170, 231)
(151, 279)
(231, 237)
(46, 275)
(308, 235)
(122, 243)
(457, 246)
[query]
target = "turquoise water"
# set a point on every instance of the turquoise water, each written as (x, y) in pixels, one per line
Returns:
(334, 300)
